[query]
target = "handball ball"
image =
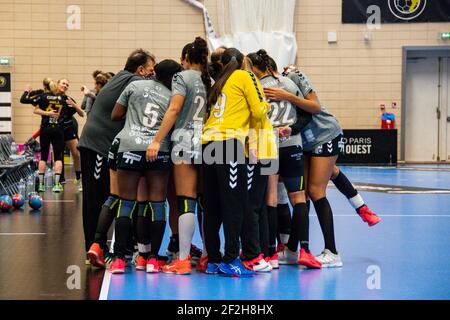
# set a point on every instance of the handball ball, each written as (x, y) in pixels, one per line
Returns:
(35, 202)
(18, 201)
(6, 202)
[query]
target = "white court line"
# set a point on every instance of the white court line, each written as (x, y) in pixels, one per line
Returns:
(397, 215)
(106, 277)
(22, 234)
(45, 200)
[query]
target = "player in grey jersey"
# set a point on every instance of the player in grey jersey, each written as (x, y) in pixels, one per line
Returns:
(185, 115)
(143, 104)
(283, 114)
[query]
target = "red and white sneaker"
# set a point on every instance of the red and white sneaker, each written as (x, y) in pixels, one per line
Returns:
(95, 256)
(152, 265)
(118, 266)
(178, 266)
(258, 264)
(273, 260)
(368, 216)
(202, 263)
(140, 263)
(308, 260)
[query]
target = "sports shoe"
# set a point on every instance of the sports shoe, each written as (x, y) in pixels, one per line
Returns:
(140, 263)
(95, 256)
(78, 184)
(201, 264)
(212, 268)
(178, 266)
(258, 264)
(273, 260)
(308, 260)
(368, 216)
(41, 187)
(195, 253)
(235, 269)
(152, 265)
(329, 259)
(117, 266)
(57, 188)
(287, 256)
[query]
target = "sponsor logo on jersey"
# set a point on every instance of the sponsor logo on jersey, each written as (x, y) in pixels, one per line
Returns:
(131, 157)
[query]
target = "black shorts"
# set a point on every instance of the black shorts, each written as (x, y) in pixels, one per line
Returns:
(136, 161)
(112, 154)
(291, 168)
(187, 156)
(331, 148)
(69, 132)
(52, 135)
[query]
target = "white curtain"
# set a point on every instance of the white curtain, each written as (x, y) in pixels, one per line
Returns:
(250, 25)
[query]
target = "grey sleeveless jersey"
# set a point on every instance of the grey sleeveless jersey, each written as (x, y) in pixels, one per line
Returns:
(323, 126)
(189, 125)
(146, 102)
(283, 113)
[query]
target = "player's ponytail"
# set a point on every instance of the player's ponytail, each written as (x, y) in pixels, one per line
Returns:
(198, 53)
(49, 85)
(232, 60)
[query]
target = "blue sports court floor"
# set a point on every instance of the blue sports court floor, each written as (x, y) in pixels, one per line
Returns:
(405, 256)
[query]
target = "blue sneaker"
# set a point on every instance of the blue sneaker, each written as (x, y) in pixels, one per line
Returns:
(235, 269)
(212, 268)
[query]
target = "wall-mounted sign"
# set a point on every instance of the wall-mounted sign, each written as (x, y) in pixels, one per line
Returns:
(5, 61)
(392, 11)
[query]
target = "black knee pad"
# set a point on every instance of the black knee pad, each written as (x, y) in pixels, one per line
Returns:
(126, 208)
(294, 184)
(157, 211)
(186, 204)
(111, 202)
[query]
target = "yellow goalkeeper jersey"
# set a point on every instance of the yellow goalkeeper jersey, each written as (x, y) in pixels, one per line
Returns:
(241, 102)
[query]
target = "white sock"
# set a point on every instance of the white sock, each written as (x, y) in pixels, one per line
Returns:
(186, 228)
(357, 201)
(284, 238)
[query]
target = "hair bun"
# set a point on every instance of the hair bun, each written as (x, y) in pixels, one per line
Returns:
(261, 52)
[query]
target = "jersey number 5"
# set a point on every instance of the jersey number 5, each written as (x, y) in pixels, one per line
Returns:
(152, 115)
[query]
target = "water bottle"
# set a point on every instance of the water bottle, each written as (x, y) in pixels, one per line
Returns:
(22, 188)
(13, 148)
(30, 184)
(48, 178)
(36, 180)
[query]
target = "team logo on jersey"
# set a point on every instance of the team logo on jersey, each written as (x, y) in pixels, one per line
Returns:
(341, 145)
(2, 82)
(319, 150)
(407, 9)
(131, 157)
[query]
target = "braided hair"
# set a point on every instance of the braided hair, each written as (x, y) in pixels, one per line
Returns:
(262, 61)
(198, 53)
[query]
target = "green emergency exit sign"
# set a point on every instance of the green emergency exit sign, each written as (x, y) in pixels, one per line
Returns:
(445, 35)
(5, 61)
